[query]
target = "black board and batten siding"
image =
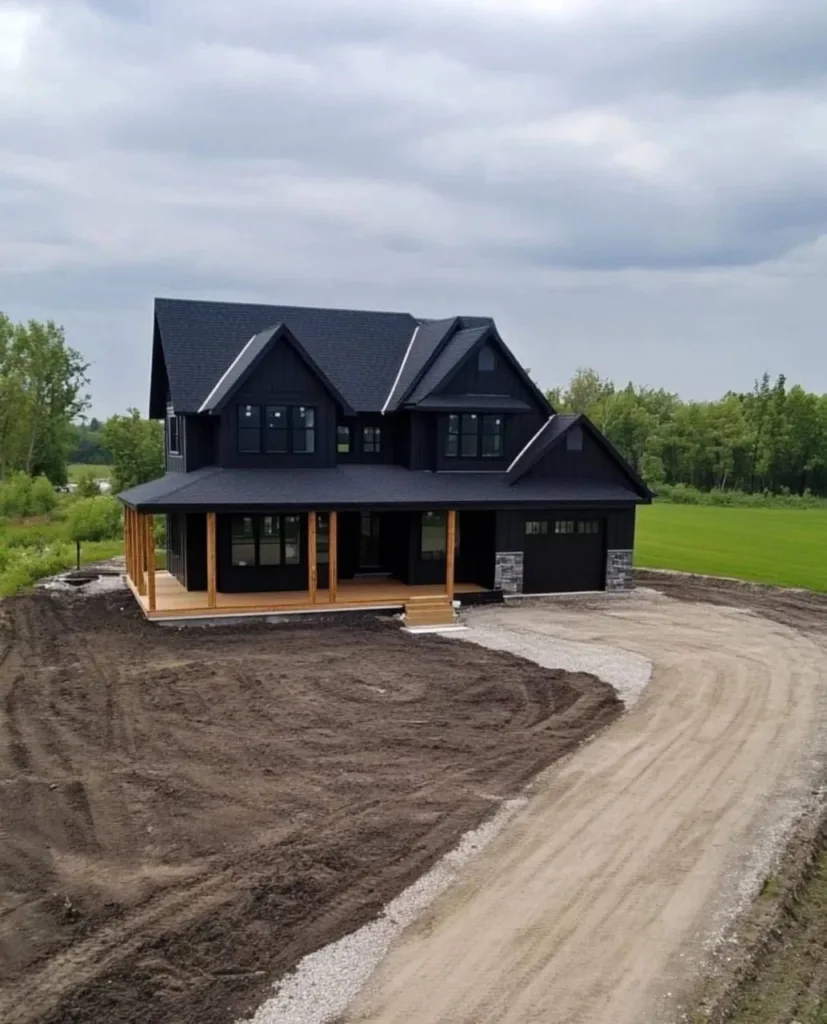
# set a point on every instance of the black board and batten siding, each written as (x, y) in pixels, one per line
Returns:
(282, 378)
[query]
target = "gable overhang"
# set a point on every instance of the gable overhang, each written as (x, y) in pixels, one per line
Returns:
(490, 334)
(159, 386)
(518, 469)
(251, 355)
(450, 330)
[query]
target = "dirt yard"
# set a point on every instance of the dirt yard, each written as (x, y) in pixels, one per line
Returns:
(186, 813)
(616, 885)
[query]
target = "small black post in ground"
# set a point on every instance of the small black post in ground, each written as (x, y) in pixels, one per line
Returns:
(78, 547)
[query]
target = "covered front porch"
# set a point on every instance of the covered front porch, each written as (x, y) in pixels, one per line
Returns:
(319, 576)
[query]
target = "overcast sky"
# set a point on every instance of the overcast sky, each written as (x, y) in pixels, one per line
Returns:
(634, 185)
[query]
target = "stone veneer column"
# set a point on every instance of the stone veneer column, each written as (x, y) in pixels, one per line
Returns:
(508, 572)
(619, 573)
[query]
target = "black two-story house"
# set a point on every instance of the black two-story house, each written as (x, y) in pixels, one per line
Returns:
(309, 449)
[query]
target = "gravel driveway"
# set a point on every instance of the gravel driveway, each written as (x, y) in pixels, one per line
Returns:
(623, 870)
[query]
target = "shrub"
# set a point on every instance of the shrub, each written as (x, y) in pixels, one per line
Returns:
(20, 567)
(20, 496)
(683, 494)
(16, 495)
(42, 497)
(97, 518)
(87, 485)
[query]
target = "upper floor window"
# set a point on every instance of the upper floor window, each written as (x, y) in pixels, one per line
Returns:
(249, 428)
(486, 360)
(173, 439)
(371, 440)
(471, 435)
(275, 428)
(343, 441)
(280, 430)
(303, 429)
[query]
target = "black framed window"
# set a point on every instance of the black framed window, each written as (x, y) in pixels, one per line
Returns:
(303, 424)
(292, 534)
(269, 540)
(371, 440)
(434, 533)
(564, 526)
(275, 429)
(486, 360)
(266, 540)
(471, 435)
(343, 439)
(589, 526)
(173, 436)
(249, 428)
(491, 436)
(536, 527)
(243, 541)
(434, 536)
(323, 538)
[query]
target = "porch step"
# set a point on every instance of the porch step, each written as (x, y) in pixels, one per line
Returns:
(436, 610)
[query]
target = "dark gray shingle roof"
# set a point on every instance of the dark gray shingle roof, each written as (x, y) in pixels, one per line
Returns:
(359, 351)
(448, 359)
(545, 437)
(428, 337)
(362, 486)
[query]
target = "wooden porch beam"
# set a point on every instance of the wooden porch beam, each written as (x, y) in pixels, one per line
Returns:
(333, 558)
(211, 562)
(312, 569)
(150, 562)
(449, 554)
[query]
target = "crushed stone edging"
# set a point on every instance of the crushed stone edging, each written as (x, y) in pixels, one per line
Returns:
(325, 983)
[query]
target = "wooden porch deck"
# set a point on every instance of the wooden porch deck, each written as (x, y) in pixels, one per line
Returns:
(172, 600)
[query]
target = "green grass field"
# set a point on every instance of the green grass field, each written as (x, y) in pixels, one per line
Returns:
(787, 547)
(78, 469)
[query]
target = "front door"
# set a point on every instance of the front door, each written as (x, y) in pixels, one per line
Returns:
(370, 534)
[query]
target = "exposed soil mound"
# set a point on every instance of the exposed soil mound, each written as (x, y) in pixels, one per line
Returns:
(186, 813)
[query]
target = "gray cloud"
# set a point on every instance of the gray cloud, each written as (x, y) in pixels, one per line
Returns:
(636, 186)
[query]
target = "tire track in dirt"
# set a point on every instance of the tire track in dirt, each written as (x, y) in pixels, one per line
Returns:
(200, 809)
(595, 901)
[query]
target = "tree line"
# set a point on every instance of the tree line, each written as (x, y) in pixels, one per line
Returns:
(43, 402)
(771, 439)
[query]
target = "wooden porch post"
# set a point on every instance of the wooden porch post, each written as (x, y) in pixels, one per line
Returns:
(449, 554)
(126, 538)
(141, 538)
(312, 571)
(211, 573)
(133, 540)
(333, 558)
(150, 562)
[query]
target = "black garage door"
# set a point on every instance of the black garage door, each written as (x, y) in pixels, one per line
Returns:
(564, 555)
